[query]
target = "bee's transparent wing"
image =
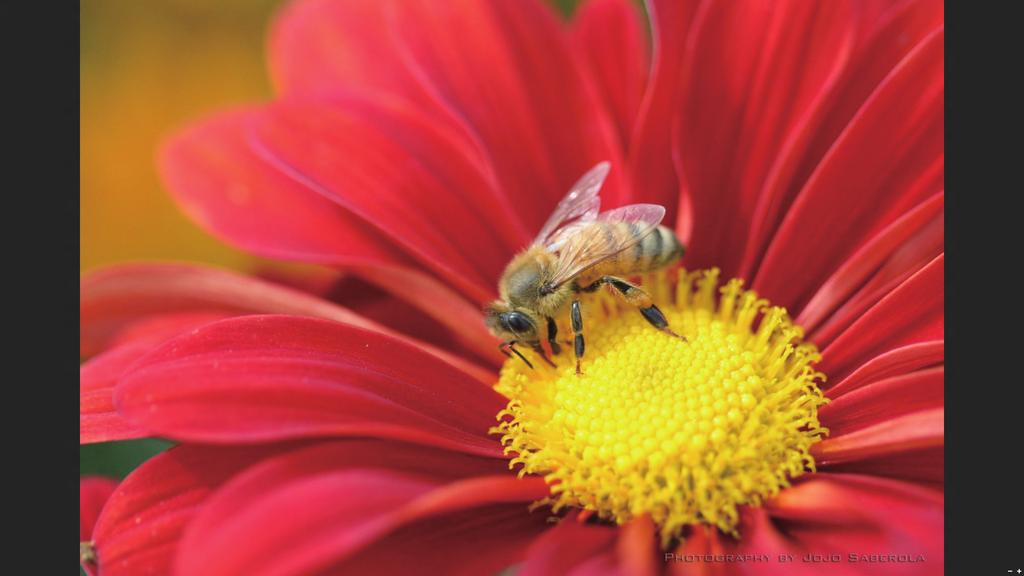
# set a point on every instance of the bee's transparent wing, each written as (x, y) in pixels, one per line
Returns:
(580, 204)
(592, 244)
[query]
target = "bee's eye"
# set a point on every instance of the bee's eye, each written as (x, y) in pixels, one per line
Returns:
(516, 322)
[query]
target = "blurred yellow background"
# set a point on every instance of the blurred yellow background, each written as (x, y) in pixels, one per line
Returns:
(148, 68)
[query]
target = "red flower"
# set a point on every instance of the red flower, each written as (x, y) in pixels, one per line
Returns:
(417, 146)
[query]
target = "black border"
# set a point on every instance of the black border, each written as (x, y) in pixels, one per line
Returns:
(41, 205)
(984, 502)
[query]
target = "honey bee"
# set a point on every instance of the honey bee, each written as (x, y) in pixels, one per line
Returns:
(579, 250)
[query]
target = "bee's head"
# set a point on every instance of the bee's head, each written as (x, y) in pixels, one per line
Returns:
(510, 324)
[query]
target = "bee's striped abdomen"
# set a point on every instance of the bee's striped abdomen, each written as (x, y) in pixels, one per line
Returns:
(659, 248)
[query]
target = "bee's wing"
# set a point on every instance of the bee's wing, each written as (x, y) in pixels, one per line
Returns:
(590, 245)
(580, 204)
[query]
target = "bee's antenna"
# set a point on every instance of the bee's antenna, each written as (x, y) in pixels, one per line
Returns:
(510, 345)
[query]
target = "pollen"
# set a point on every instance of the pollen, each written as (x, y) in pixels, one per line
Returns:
(685, 430)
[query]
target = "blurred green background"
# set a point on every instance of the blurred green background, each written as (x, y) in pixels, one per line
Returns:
(146, 69)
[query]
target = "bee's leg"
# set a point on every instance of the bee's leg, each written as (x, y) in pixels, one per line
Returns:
(506, 346)
(552, 335)
(638, 297)
(577, 330)
(540, 351)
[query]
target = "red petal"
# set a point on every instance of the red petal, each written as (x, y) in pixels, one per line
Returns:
(482, 540)
(262, 378)
(98, 420)
(895, 362)
(883, 259)
(610, 35)
(824, 515)
(598, 565)
(876, 15)
(689, 559)
(438, 301)
(396, 169)
(762, 548)
(755, 79)
(153, 329)
(566, 546)
(540, 139)
(888, 41)
(129, 338)
(891, 31)
(515, 57)
(314, 280)
(650, 152)
(846, 513)
(93, 492)
(322, 46)
(883, 400)
(156, 301)
(761, 536)
(119, 295)
(315, 514)
(923, 466)
(908, 259)
(147, 304)
(114, 298)
(910, 314)
(234, 194)
(871, 175)
(574, 547)
(910, 432)
(638, 547)
(213, 169)
(139, 528)
(424, 321)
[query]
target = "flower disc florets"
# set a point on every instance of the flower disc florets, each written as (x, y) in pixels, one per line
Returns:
(685, 431)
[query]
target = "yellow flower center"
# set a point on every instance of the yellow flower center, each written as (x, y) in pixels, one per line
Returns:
(685, 431)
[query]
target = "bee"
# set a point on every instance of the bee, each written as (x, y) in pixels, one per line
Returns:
(580, 249)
